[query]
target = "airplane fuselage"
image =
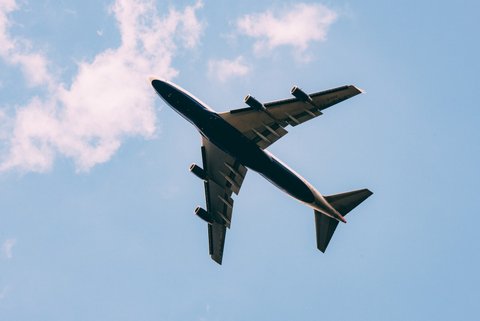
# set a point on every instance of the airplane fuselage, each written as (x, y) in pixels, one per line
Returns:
(230, 140)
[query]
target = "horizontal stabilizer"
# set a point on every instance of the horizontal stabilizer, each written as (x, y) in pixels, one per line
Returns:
(325, 226)
(345, 202)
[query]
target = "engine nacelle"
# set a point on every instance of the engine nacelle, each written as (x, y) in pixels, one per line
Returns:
(301, 95)
(198, 171)
(255, 104)
(204, 215)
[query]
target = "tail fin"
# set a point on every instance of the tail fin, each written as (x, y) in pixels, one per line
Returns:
(345, 202)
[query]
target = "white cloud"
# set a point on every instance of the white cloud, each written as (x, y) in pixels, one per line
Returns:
(225, 69)
(7, 248)
(18, 51)
(297, 26)
(107, 100)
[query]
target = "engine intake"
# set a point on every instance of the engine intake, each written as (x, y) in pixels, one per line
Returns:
(198, 171)
(204, 215)
(255, 104)
(301, 95)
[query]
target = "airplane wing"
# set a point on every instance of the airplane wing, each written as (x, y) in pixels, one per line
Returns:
(223, 175)
(265, 126)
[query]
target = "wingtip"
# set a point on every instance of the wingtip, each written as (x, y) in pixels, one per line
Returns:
(360, 90)
(216, 259)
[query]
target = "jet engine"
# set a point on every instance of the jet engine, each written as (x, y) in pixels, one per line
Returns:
(255, 104)
(198, 171)
(301, 95)
(204, 215)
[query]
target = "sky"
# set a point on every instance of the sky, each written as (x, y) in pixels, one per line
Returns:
(96, 200)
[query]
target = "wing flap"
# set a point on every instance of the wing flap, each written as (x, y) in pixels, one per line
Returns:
(223, 169)
(218, 198)
(293, 112)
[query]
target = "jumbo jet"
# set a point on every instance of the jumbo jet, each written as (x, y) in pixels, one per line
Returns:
(236, 140)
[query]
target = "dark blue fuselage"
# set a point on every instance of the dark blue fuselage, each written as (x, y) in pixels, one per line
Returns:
(230, 140)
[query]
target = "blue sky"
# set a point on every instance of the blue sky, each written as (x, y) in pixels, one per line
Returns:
(97, 201)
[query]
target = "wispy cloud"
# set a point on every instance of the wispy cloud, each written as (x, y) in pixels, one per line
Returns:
(7, 248)
(224, 69)
(108, 99)
(16, 51)
(296, 26)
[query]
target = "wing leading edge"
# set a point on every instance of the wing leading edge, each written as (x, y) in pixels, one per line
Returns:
(266, 126)
(223, 176)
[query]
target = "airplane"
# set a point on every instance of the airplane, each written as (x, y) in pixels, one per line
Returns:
(236, 140)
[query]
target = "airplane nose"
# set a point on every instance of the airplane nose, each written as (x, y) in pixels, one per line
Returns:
(157, 82)
(162, 87)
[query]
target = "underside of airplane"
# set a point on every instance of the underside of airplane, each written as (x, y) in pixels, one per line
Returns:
(235, 141)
